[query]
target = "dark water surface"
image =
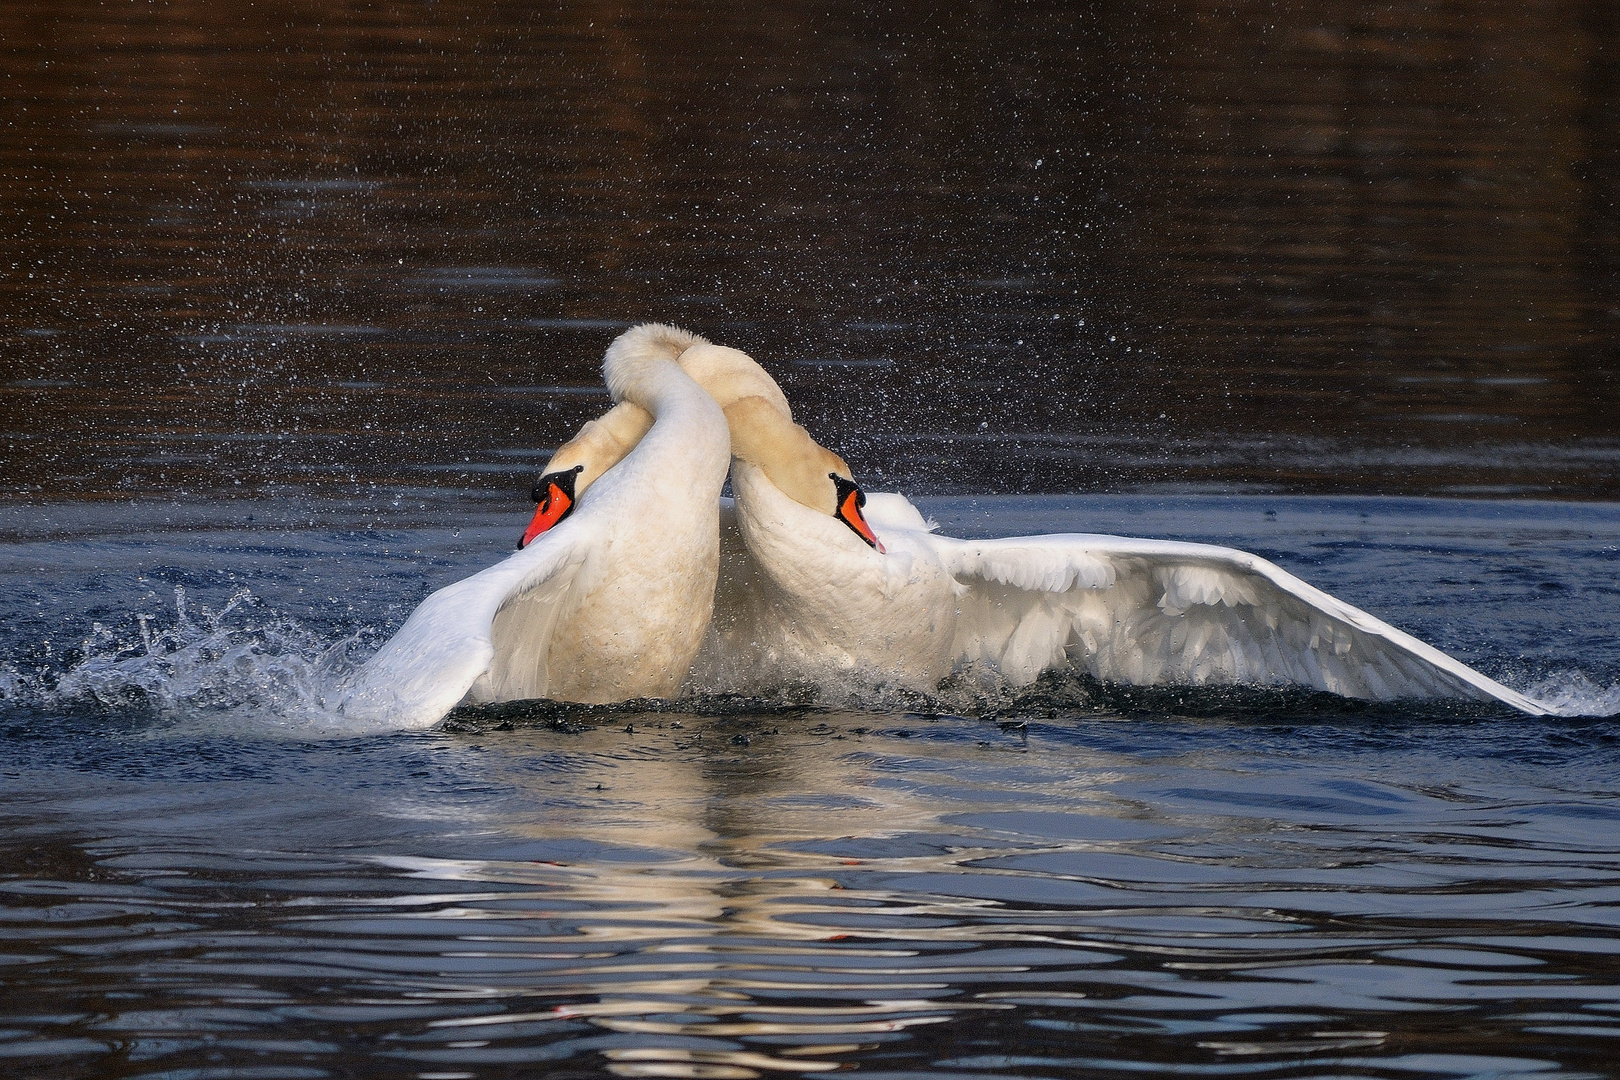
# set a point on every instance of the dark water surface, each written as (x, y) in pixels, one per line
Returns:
(203, 875)
(294, 298)
(1330, 246)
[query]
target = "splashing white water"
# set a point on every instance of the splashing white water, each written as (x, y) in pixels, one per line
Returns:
(1572, 693)
(268, 670)
(260, 672)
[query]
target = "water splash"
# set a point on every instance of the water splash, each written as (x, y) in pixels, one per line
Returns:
(1573, 693)
(249, 668)
(264, 670)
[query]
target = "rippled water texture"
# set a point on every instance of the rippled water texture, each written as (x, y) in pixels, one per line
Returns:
(201, 875)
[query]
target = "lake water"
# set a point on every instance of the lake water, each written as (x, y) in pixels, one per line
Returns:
(203, 875)
(295, 297)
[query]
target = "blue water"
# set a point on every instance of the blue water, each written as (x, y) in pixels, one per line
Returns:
(203, 875)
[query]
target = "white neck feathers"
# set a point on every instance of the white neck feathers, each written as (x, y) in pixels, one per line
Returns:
(635, 363)
(638, 367)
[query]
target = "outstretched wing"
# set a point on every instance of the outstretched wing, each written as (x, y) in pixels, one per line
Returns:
(448, 646)
(1153, 612)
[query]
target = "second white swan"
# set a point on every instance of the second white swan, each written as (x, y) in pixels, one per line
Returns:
(826, 582)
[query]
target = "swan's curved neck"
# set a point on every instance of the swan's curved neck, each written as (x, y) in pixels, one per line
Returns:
(762, 429)
(688, 430)
(638, 364)
(669, 386)
(647, 382)
(793, 461)
(730, 375)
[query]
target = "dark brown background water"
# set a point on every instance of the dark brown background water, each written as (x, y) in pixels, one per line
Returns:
(354, 249)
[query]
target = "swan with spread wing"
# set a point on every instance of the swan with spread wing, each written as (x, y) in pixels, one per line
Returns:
(822, 580)
(611, 590)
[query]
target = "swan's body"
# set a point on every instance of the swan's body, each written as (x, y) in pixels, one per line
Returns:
(804, 597)
(609, 604)
(803, 600)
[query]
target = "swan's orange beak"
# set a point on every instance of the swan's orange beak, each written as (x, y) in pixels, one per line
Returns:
(850, 500)
(555, 494)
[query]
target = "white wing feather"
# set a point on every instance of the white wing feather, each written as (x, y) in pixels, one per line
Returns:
(1152, 612)
(446, 648)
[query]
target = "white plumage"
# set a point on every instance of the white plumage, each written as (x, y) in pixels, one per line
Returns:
(1155, 612)
(1140, 612)
(804, 598)
(612, 602)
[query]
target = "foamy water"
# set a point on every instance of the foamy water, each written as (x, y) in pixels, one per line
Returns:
(258, 672)
(273, 657)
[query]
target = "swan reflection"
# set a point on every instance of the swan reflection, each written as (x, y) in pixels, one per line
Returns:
(708, 912)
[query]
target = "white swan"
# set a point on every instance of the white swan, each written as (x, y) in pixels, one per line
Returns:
(816, 588)
(612, 589)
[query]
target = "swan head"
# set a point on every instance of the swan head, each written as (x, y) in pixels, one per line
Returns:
(580, 462)
(799, 467)
(764, 434)
(557, 496)
(851, 501)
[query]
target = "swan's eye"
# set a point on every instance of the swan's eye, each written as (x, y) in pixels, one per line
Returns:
(850, 499)
(555, 494)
